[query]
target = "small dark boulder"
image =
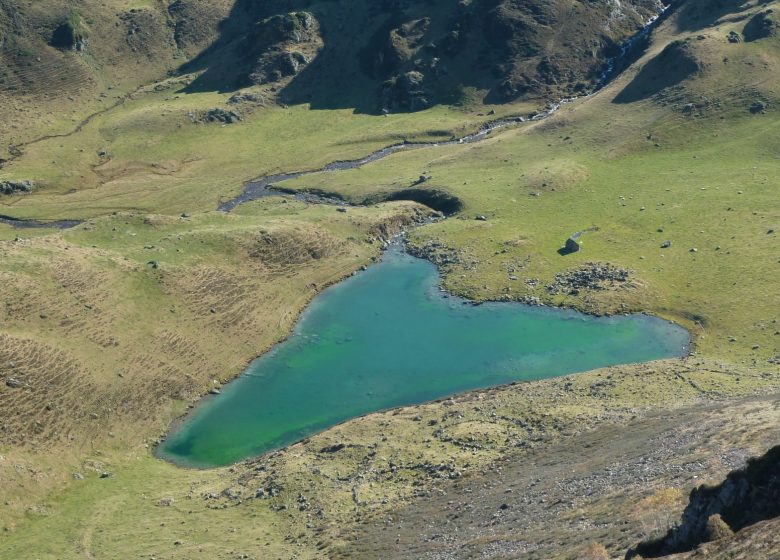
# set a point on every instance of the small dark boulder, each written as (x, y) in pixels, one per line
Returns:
(757, 107)
(734, 37)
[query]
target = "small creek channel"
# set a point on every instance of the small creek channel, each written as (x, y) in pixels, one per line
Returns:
(389, 337)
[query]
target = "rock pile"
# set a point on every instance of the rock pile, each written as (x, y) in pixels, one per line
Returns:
(16, 187)
(591, 276)
(246, 97)
(219, 115)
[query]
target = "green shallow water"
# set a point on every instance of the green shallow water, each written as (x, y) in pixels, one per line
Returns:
(388, 337)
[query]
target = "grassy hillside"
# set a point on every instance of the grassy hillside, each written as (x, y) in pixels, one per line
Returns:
(111, 329)
(62, 61)
(659, 169)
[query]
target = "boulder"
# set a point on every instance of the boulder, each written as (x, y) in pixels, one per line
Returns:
(757, 107)
(572, 245)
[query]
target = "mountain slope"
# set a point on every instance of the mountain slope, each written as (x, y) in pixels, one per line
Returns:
(401, 55)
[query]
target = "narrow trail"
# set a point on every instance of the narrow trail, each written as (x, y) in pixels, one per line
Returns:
(265, 186)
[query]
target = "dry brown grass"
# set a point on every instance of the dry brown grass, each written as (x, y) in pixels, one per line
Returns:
(99, 350)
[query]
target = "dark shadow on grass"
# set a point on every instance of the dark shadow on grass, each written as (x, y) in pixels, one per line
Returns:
(694, 16)
(675, 64)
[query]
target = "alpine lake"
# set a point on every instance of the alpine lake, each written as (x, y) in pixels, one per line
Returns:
(388, 337)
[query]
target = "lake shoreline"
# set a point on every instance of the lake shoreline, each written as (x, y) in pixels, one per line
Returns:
(400, 242)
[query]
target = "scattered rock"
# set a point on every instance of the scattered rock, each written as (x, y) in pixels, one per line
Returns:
(666, 244)
(153, 264)
(480, 218)
(106, 474)
(333, 448)
(757, 107)
(441, 255)
(246, 97)
(734, 37)
(220, 115)
(591, 276)
(165, 502)
(17, 187)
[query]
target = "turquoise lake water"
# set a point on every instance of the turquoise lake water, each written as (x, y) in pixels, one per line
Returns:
(388, 337)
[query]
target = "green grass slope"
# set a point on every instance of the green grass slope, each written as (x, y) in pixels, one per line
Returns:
(686, 156)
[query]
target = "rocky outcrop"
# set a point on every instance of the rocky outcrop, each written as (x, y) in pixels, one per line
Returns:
(591, 276)
(747, 496)
(219, 115)
(16, 187)
(406, 56)
(281, 46)
(406, 92)
(246, 97)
